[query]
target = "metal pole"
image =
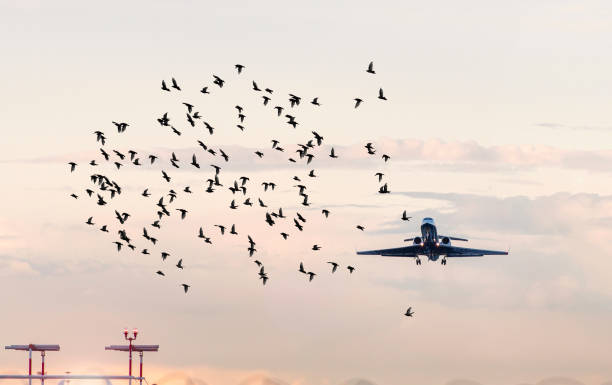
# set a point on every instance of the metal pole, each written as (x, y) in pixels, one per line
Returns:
(30, 364)
(130, 371)
(42, 356)
(141, 354)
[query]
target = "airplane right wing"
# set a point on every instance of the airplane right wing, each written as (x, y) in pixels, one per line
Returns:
(406, 251)
(452, 251)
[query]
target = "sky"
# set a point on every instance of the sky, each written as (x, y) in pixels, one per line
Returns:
(497, 123)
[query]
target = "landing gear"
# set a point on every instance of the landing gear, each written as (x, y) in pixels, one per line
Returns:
(443, 261)
(418, 261)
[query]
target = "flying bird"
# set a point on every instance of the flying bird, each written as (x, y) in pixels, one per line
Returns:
(404, 217)
(371, 68)
(334, 266)
(380, 94)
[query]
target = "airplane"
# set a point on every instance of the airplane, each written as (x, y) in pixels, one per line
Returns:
(432, 246)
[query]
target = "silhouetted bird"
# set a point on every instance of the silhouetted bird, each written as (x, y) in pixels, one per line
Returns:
(204, 90)
(175, 85)
(159, 272)
(350, 269)
(380, 94)
(121, 127)
(224, 155)
(332, 154)
(239, 67)
(334, 266)
(301, 269)
(358, 101)
(370, 148)
(210, 128)
(359, 227)
(409, 312)
(386, 157)
(89, 221)
(180, 264)
(218, 81)
(164, 87)
(298, 225)
(185, 287)
(404, 217)
(311, 275)
(165, 176)
(255, 88)
(72, 166)
(379, 175)
(371, 68)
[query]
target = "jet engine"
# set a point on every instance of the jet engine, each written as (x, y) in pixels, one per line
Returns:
(418, 240)
(445, 241)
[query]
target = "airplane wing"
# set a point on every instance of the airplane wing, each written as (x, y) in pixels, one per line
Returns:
(453, 238)
(406, 251)
(452, 251)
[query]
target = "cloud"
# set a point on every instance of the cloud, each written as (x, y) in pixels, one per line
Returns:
(463, 382)
(560, 381)
(576, 128)
(467, 156)
(358, 381)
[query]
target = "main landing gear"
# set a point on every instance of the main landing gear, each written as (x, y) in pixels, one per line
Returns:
(443, 262)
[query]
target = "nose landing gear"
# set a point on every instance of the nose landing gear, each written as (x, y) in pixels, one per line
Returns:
(418, 261)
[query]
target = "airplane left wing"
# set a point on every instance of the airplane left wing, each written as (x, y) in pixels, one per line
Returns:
(452, 251)
(406, 251)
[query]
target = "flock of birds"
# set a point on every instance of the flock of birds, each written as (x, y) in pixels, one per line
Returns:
(103, 188)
